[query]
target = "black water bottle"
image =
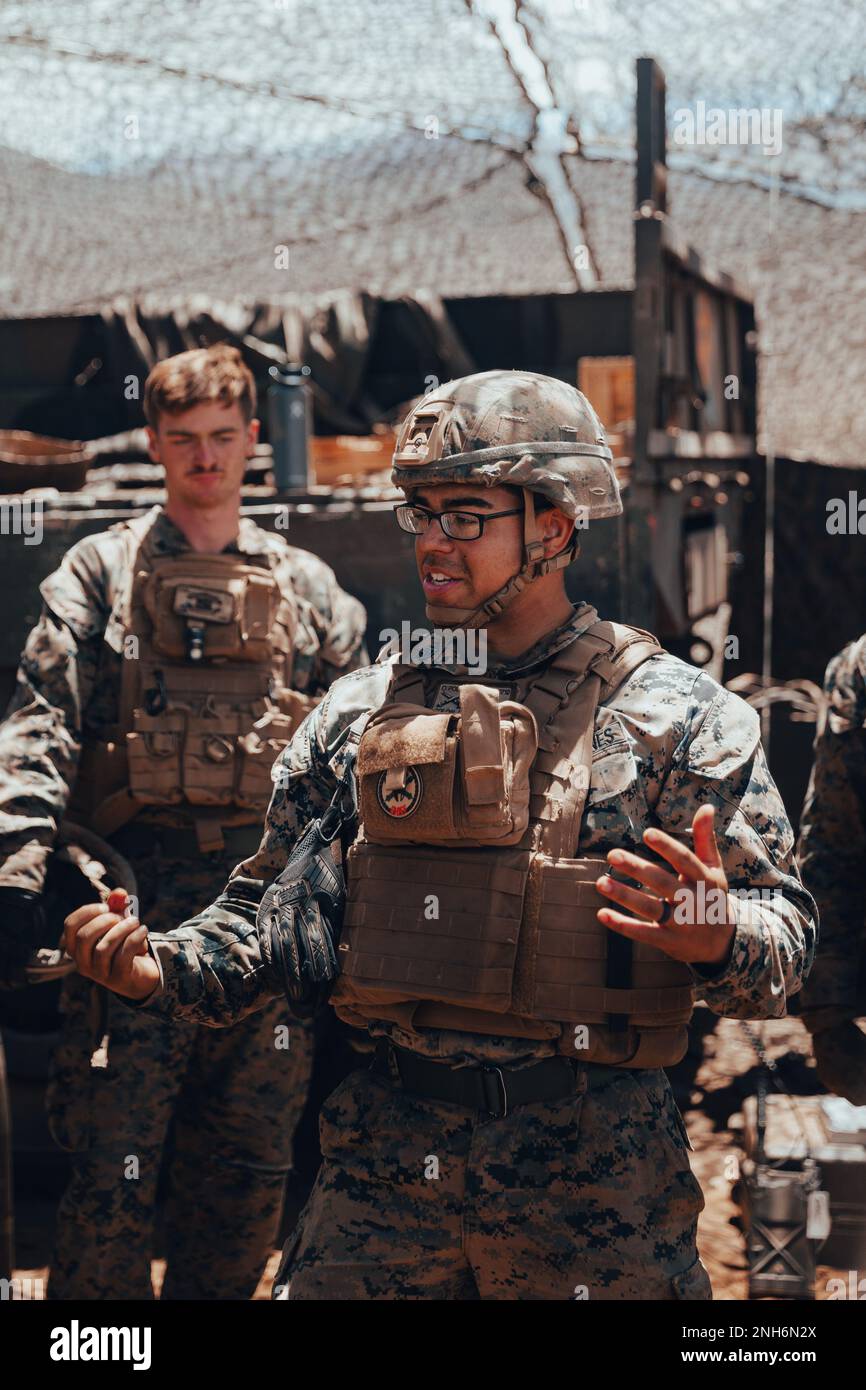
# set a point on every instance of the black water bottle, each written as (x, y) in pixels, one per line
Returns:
(289, 411)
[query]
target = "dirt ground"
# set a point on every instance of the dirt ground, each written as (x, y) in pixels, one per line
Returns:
(710, 1085)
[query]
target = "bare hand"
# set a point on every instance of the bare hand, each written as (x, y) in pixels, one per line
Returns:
(698, 925)
(111, 950)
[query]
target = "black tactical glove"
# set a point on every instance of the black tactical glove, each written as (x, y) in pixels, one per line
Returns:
(22, 932)
(840, 1054)
(299, 922)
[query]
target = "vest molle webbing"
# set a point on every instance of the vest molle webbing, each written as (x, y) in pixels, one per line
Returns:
(206, 703)
(512, 945)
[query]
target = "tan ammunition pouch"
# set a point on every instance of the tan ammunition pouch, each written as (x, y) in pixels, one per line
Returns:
(503, 940)
(205, 701)
(462, 779)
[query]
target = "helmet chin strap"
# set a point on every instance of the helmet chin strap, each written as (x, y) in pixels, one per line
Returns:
(534, 565)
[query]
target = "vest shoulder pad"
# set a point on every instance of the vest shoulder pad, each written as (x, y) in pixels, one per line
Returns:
(621, 649)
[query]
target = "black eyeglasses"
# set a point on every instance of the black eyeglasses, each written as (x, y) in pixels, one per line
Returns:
(460, 526)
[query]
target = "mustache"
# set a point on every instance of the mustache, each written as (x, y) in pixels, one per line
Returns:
(441, 569)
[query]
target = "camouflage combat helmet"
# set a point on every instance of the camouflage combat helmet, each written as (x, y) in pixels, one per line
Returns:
(518, 429)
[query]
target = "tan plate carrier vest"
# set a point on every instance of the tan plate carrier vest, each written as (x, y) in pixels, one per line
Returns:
(205, 699)
(514, 948)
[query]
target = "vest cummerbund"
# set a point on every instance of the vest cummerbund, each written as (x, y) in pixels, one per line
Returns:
(516, 935)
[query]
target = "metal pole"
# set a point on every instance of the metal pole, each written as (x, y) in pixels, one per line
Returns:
(647, 315)
(770, 495)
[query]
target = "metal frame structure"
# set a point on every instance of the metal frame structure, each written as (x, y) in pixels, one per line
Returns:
(695, 378)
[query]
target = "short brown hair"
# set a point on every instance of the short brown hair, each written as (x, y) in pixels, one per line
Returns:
(190, 378)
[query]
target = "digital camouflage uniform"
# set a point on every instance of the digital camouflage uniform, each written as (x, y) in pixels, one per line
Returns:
(222, 1090)
(832, 854)
(591, 1196)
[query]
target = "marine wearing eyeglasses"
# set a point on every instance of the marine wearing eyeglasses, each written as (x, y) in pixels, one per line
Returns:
(490, 1152)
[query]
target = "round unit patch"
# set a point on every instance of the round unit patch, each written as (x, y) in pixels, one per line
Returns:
(402, 801)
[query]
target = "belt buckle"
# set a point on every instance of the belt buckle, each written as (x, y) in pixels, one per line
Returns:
(497, 1072)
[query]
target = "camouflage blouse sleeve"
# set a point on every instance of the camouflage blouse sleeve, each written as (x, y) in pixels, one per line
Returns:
(340, 620)
(720, 760)
(343, 647)
(40, 738)
(833, 842)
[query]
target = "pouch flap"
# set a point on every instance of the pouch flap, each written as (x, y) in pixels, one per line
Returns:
(481, 744)
(205, 597)
(402, 740)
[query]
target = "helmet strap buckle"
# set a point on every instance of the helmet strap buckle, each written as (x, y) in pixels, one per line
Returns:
(533, 545)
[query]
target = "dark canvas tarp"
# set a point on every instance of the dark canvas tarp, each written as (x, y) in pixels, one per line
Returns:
(91, 380)
(368, 356)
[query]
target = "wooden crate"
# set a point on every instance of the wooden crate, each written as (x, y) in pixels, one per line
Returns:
(608, 383)
(349, 458)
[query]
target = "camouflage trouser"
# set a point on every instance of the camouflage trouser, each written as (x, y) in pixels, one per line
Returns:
(590, 1197)
(235, 1096)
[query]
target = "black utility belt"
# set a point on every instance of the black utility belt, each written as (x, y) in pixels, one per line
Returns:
(496, 1090)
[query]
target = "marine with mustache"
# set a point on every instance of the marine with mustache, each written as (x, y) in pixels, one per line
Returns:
(176, 654)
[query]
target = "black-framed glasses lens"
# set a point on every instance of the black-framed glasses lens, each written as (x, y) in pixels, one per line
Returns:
(460, 526)
(412, 519)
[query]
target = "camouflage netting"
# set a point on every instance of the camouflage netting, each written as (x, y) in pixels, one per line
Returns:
(462, 147)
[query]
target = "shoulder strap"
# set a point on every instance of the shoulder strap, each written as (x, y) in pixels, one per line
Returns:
(611, 650)
(565, 700)
(630, 647)
(406, 686)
